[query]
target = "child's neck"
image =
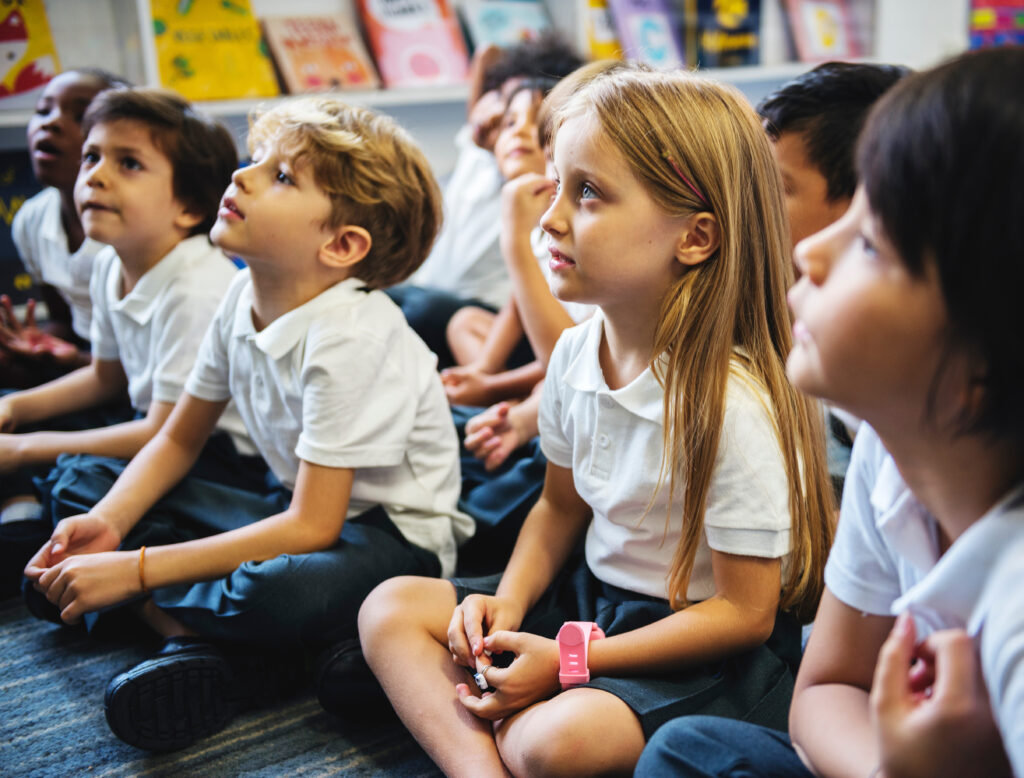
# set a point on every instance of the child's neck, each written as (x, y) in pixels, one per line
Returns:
(958, 478)
(276, 292)
(627, 346)
(70, 221)
(136, 261)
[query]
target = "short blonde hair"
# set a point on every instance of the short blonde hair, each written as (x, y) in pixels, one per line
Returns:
(373, 172)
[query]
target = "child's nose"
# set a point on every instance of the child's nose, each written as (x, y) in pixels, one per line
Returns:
(239, 177)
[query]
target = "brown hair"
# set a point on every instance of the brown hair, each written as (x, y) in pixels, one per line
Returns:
(727, 314)
(373, 172)
(201, 151)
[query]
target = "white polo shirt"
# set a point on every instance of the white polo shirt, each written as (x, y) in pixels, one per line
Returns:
(886, 560)
(612, 440)
(466, 259)
(42, 244)
(342, 381)
(156, 329)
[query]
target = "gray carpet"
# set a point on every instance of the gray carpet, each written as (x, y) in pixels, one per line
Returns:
(51, 721)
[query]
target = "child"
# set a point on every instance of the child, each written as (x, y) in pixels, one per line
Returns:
(813, 122)
(465, 265)
(339, 395)
(907, 315)
(669, 217)
(50, 240)
(148, 187)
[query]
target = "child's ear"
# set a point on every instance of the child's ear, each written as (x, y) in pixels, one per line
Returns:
(699, 240)
(347, 246)
(186, 221)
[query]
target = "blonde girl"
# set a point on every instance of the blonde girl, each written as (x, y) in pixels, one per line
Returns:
(675, 445)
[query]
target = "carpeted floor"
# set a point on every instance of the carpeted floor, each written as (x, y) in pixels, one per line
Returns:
(51, 721)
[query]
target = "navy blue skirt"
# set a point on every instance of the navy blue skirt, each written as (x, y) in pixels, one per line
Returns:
(754, 686)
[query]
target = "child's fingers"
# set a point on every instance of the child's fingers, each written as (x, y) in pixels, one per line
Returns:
(30, 313)
(956, 665)
(474, 611)
(890, 689)
(475, 440)
(39, 563)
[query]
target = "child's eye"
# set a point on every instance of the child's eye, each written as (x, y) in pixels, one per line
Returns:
(867, 246)
(587, 192)
(131, 163)
(284, 178)
(90, 157)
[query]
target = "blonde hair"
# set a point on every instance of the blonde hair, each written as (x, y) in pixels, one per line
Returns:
(728, 313)
(373, 172)
(566, 88)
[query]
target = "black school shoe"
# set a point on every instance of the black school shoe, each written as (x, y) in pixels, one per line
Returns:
(192, 689)
(345, 685)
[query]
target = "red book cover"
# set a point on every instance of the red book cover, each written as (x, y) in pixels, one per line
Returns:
(319, 53)
(415, 42)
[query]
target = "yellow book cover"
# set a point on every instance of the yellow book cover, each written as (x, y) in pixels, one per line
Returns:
(211, 49)
(28, 58)
(602, 42)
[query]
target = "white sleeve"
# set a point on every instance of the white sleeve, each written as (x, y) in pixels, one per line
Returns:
(209, 379)
(1002, 650)
(748, 500)
(23, 243)
(180, 328)
(861, 569)
(101, 331)
(557, 447)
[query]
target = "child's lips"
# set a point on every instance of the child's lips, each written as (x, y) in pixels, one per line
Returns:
(92, 205)
(559, 260)
(229, 210)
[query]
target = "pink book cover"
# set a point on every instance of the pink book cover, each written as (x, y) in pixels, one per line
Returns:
(415, 42)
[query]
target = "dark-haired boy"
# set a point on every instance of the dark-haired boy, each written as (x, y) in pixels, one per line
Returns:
(813, 122)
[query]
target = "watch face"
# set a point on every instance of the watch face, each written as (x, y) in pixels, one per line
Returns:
(570, 635)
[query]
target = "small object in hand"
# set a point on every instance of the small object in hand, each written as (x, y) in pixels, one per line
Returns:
(481, 678)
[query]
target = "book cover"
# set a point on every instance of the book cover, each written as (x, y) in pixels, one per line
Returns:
(600, 41)
(822, 30)
(17, 184)
(723, 34)
(211, 50)
(648, 30)
(318, 53)
(415, 42)
(28, 57)
(503, 22)
(996, 23)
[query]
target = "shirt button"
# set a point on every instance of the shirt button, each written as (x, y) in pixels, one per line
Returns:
(602, 441)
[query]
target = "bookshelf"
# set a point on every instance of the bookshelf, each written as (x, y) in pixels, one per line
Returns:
(113, 34)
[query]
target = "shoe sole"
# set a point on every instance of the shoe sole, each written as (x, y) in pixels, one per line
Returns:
(167, 703)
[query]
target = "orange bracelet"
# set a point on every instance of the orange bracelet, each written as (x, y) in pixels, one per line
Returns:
(142, 570)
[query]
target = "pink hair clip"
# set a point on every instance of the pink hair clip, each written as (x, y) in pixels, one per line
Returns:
(686, 181)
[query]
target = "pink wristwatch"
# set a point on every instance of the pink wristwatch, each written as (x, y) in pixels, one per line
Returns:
(573, 641)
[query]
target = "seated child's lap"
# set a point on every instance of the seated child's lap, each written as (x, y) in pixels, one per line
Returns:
(754, 686)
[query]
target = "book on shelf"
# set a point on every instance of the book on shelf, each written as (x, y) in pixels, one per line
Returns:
(211, 50)
(415, 42)
(599, 40)
(502, 22)
(28, 56)
(719, 35)
(17, 184)
(649, 31)
(822, 30)
(319, 53)
(996, 23)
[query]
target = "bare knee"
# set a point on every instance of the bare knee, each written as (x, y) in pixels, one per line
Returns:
(403, 604)
(466, 331)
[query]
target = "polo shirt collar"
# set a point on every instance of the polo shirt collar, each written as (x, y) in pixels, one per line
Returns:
(287, 331)
(143, 300)
(642, 397)
(949, 586)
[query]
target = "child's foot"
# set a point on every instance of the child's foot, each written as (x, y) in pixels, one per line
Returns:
(191, 689)
(346, 686)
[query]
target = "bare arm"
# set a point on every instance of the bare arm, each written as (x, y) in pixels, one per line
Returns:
(99, 382)
(829, 719)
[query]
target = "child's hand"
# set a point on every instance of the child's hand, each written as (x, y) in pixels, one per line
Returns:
(27, 340)
(82, 534)
(934, 719)
(87, 582)
(466, 385)
(7, 421)
(524, 200)
(493, 435)
(532, 676)
(11, 450)
(473, 618)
